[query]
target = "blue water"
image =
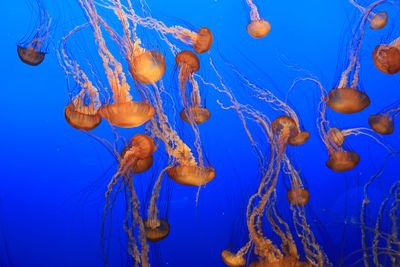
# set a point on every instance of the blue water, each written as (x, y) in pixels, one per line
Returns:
(53, 177)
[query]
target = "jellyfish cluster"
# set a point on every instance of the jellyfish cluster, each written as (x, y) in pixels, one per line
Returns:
(147, 84)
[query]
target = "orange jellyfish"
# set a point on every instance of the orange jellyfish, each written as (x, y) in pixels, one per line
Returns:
(123, 112)
(377, 21)
(145, 66)
(382, 122)
(32, 48)
(387, 57)
(82, 112)
(200, 39)
(144, 148)
(189, 63)
(156, 228)
(347, 98)
(141, 147)
(257, 28)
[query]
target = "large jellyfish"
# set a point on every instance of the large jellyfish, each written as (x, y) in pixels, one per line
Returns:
(123, 112)
(33, 47)
(257, 28)
(82, 112)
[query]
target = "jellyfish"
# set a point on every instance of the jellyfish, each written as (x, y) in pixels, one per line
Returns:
(347, 98)
(377, 21)
(387, 57)
(33, 47)
(257, 28)
(82, 113)
(123, 112)
(140, 147)
(200, 39)
(189, 63)
(156, 228)
(261, 208)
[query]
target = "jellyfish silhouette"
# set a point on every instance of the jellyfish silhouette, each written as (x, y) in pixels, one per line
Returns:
(32, 48)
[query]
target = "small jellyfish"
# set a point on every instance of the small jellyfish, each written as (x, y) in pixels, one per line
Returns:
(199, 114)
(156, 230)
(381, 124)
(288, 131)
(191, 175)
(347, 100)
(32, 49)
(232, 260)
(189, 63)
(257, 28)
(341, 161)
(298, 196)
(335, 136)
(147, 67)
(387, 58)
(203, 40)
(378, 21)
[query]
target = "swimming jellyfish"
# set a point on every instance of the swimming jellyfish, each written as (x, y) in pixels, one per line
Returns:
(32, 48)
(257, 28)
(82, 112)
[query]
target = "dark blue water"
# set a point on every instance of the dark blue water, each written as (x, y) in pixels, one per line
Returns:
(53, 177)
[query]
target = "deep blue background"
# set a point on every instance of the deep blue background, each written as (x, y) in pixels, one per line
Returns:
(53, 177)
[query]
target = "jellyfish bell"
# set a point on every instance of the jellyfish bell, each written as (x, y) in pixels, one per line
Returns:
(378, 21)
(156, 230)
(232, 259)
(284, 125)
(79, 120)
(144, 145)
(341, 161)
(387, 58)
(148, 67)
(336, 136)
(298, 196)
(347, 100)
(203, 41)
(191, 175)
(299, 139)
(30, 56)
(138, 165)
(188, 58)
(258, 28)
(381, 124)
(199, 115)
(127, 114)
